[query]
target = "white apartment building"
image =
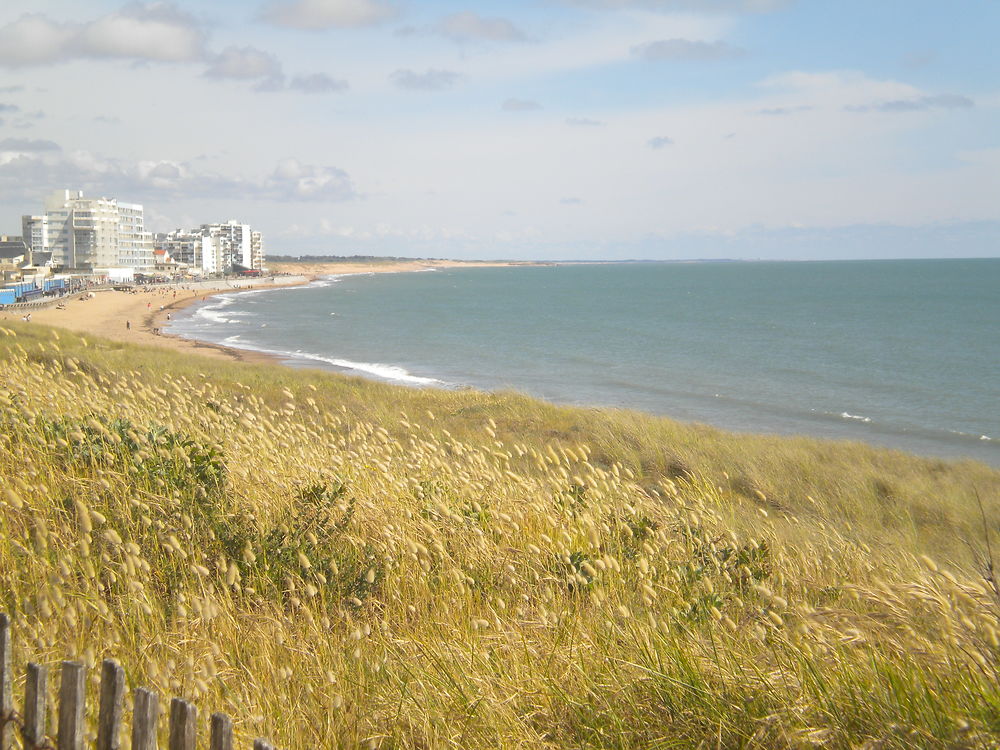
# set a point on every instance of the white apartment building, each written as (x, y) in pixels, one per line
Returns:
(135, 244)
(91, 233)
(237, 242)
(200, 252)
(35, 231)
(215, 248)
(256, 251)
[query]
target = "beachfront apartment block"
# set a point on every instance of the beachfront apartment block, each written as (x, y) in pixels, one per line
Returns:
(200, 253)
(256, 251)
(94, 234)
(35, 231)
(215, 248)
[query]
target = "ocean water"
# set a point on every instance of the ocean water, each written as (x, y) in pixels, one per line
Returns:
(898, 353)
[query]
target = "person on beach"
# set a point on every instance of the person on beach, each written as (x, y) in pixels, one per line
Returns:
(128, 325)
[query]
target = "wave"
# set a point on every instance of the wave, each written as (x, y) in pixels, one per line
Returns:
(211, 312)
(856, 417)
(386, 372)
(320, 283)
(972, 436)
(377, 369)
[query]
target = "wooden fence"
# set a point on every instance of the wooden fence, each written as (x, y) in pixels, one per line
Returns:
(71, 732)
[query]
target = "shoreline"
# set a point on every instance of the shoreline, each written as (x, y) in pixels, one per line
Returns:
(132, 317)
(136, 317)
(153, 325)
(106, 313)
(752, 418)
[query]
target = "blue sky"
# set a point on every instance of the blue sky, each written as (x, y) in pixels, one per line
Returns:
(552, 129)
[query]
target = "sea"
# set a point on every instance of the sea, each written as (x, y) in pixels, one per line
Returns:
(902, 353)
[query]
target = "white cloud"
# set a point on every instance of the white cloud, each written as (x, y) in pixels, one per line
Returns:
(34, 40)
(326, 14)
(675, 50)
(157, 32)
(584, 47)
(165, 171)
(26, 174)
(293, 180)
(429, 80)
(27, 145)
(468, 26)
(915, 104)
(700, 6)
(244, 63)
(520, 105)
(660, 141)
(781, 111)
(317, 83)
(854, 92)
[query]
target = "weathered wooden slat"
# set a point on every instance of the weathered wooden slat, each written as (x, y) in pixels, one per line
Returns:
(183, 725)
(35, 692)
(109, 717)
(145, 713)
(6, 678)
(72, 705)
(222, 733)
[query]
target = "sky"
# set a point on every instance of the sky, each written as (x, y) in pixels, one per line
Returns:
(554, 129)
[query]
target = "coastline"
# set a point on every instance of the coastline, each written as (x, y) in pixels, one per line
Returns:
(105, 316)
(135, 317)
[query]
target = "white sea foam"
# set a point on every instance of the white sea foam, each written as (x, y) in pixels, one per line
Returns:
(855, 417)
(972, 435)
(386, 372)
(320, 283)
(212, 313)
(379, 370)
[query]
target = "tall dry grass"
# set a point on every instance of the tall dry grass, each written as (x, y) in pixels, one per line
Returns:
(336, 562)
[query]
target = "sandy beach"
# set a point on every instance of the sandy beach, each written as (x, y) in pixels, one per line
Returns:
(137, 317)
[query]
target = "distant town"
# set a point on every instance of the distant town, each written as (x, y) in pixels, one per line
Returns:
(78, 242)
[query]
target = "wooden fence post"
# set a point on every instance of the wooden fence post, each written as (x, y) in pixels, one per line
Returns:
(72, 709)
(222, 733)
(183, 725)
(72, 705)
(145, 712)
(6, 694)
(34, 704)
(109, 718)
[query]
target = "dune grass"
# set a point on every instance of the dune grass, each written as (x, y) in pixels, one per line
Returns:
(336, 562)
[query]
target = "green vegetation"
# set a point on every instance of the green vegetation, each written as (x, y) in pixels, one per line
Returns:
(336, 562)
